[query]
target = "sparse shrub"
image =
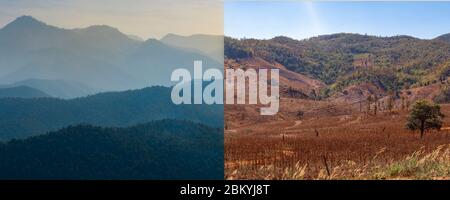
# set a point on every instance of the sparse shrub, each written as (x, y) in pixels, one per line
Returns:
(424, 116)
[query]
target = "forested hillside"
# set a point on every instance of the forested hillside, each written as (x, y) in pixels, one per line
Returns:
(341, 60)
(167, 149)
(25, 117)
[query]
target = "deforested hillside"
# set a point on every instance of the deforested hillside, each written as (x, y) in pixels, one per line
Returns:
(341, 60)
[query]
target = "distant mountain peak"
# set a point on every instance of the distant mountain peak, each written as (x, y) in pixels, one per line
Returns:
(153, 41)
(151, 44)
(25, 21)
(26, 18)
(169, 35)
(104, 32)
(101, 28)
(135, 37)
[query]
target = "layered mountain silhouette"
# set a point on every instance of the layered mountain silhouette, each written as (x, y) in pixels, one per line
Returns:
(210, 45)
(165, 60)
(95, 103)
(99, 56)
(167, 149)
(22, 117)
(56, 88)
(21, 92)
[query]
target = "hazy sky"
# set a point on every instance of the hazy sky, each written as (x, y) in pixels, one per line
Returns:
(144, 18)
(306, 19)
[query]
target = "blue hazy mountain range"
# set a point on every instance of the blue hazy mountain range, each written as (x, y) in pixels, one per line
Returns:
(24, 117)
(99, 57)
(21, 92)
(51, 88)
(210, 45)
(94, 103)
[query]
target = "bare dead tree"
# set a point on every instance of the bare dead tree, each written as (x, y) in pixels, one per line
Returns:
(326, 165)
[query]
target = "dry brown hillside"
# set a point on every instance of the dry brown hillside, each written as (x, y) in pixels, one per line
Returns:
(342, 121)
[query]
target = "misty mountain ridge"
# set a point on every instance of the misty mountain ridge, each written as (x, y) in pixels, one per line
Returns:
(21, 92)
(166, 59)
(98, 56)
(56, 88)
(22, 117)
(210, 45)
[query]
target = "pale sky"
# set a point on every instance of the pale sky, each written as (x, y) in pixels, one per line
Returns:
(300, 20)
(143, 18)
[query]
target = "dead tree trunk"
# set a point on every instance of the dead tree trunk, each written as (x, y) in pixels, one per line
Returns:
(326, 165)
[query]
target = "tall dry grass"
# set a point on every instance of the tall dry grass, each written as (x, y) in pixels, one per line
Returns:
(418, 165)
(352, 147)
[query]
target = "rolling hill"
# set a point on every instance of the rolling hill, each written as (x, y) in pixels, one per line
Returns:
(210, 45)
(155, 61)
(21, 92)
(128, 131)
(22, 118)
(57, 88)
(343, 60)
(32, 49)
(445, 38)
(167, 149)
(98, 56)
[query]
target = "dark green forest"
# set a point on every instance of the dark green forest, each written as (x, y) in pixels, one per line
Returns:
(166, 149)
(22, 117)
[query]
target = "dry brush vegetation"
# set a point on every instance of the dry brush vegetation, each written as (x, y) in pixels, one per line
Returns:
(344, 100)
(342, 146)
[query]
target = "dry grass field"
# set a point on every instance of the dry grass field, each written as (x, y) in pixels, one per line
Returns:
(345, 100)
(331, 142)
